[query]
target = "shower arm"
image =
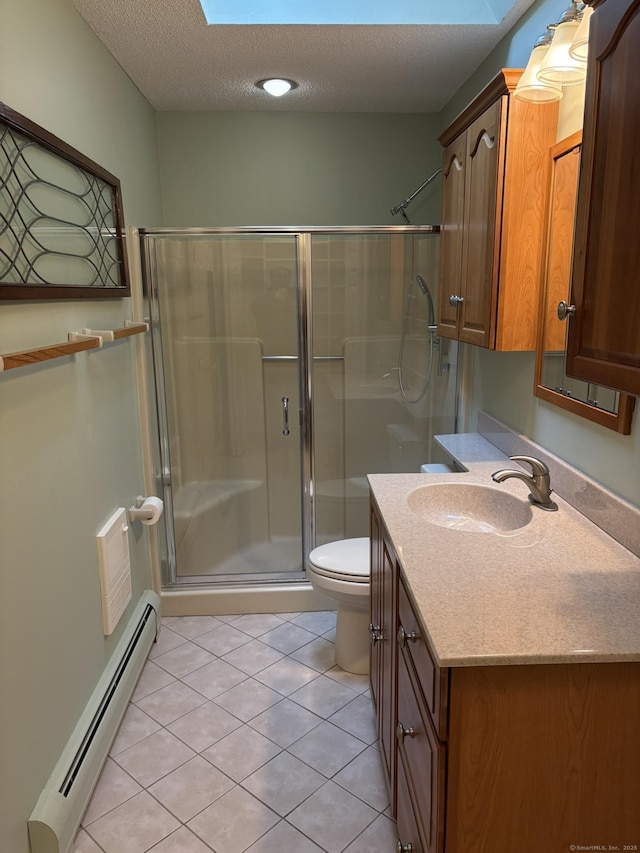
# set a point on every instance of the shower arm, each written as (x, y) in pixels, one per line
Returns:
(399, 208)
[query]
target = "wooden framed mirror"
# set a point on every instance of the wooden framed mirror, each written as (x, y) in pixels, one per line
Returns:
(596, 403)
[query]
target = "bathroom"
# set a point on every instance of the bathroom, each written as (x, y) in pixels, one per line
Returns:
(70, 450)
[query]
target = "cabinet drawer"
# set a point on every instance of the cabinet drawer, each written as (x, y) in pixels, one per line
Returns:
(416, 651)
(423, 760)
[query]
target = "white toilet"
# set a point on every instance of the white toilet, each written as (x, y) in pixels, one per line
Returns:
(340, 570)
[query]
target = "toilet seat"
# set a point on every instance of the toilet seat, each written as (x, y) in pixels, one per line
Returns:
(344, 560)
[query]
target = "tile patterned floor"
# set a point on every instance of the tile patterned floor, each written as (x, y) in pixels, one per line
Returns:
(242, 735)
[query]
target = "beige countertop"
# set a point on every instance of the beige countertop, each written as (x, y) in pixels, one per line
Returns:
(557, 590)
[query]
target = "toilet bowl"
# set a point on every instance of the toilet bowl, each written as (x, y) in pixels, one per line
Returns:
(340, 570)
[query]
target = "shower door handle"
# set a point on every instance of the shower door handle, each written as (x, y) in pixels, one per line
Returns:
(285, 416)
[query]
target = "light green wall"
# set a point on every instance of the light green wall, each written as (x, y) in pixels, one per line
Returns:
(69, 434)
(267, 168)
(503, 382)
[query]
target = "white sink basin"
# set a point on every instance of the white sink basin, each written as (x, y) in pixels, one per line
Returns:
(469, 507)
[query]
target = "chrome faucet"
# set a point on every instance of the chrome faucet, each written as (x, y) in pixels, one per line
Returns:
(539, 481)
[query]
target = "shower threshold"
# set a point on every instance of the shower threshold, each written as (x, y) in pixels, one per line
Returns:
(278, 560)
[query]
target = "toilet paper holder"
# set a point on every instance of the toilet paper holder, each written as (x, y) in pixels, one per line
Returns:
(147, 510)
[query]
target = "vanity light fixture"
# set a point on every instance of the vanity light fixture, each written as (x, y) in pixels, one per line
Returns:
(580, 45)
(529, 87)
(558, 57)
(277, 86)
(558, 67)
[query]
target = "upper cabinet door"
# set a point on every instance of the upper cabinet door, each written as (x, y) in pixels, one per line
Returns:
(495, 166)
(604, 334)
(483, 202)
(453, 175)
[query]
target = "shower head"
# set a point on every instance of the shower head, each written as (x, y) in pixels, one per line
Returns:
(424, 287)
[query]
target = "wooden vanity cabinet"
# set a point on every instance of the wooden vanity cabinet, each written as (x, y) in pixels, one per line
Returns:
(497, 759)
(494, 178)
(604, 334)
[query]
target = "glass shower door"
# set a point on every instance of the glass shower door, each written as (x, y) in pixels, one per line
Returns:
(384, 383)
(226, 343)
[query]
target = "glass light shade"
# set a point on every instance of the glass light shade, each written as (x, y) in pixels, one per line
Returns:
(276, 86)
(529, 87)
(580, 44)
(558, 67)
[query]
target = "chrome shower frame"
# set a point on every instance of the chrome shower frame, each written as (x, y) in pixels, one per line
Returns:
(303, 238)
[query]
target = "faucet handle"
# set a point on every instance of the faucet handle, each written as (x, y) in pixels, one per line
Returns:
(538, 467)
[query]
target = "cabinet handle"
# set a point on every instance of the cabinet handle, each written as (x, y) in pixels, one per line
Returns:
(565, 311)
(375, 633)
(454, 300)
(404, 637)
(403, 732)
(404, 848)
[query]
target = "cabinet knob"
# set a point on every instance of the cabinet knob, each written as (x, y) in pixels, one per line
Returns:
(404, 637)
(565, 310)
(403, 732)
(404, 848)
(454, 300)
(375, 633)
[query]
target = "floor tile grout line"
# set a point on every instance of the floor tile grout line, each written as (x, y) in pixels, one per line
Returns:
(84, 826)
(322, 717)
(362, 832)
(235, 784)
(204, 808)
(156, 659)
(99, 846)
(241, 721)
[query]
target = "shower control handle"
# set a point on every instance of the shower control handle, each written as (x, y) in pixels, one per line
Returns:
(285, 416)
(454, 300)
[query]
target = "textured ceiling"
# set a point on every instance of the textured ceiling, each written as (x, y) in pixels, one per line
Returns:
(180, 63)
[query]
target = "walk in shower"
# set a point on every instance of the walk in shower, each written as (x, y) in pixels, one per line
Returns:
(288, 364)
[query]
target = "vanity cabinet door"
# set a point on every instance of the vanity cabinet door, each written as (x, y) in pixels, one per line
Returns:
(604, 334)
(389, 659)
(375, 617)
(383, 653)
(408, 835)
(422, 758)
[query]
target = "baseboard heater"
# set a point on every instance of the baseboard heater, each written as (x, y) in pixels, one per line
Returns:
(56, 817)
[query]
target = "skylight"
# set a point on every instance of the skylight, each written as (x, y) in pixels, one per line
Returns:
(398, 12)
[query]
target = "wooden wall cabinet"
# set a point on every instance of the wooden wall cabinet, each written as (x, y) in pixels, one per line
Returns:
(494, 167)
(494, 759)
(604, 334)
(600, 405)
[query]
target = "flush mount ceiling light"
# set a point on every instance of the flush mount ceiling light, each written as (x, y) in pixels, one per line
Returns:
(277, 86)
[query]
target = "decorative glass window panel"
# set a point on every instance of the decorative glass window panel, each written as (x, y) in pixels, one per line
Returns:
(61, 224)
